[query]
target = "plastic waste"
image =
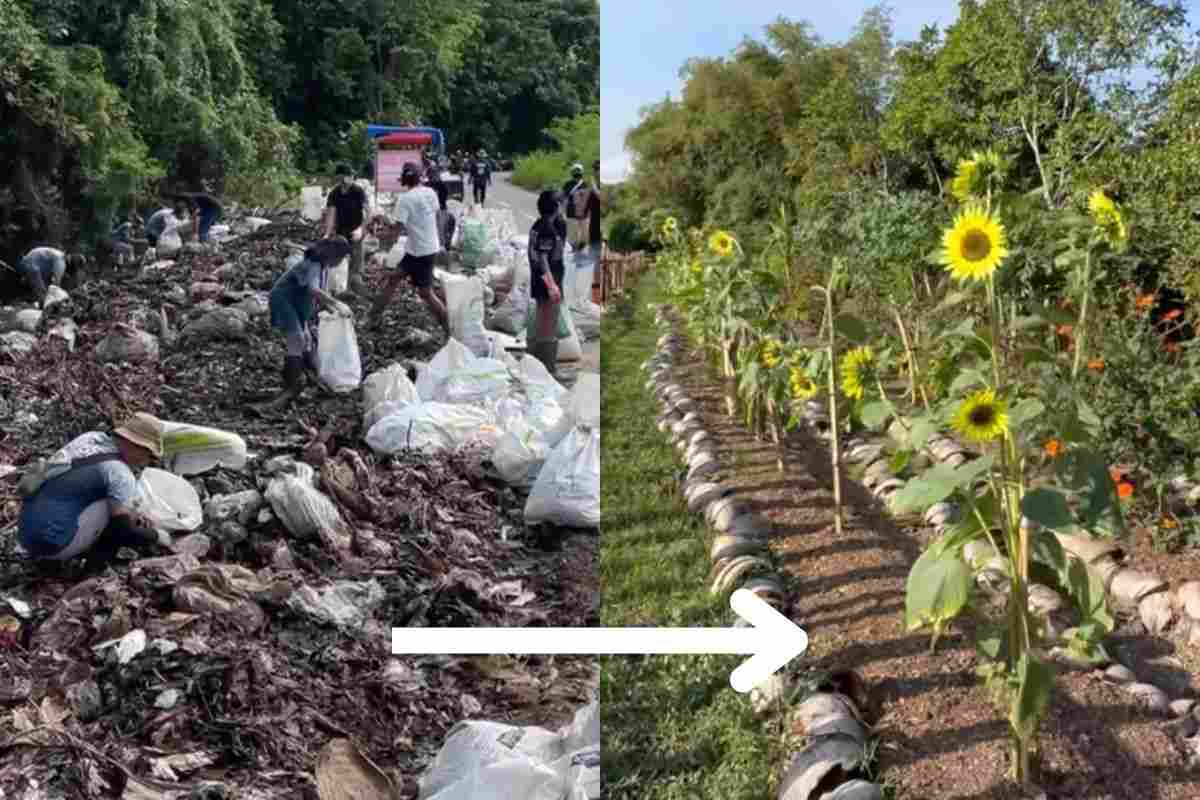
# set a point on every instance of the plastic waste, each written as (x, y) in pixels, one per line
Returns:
(465, 308)
(491, 761)
(567, 490)
(389, 385)
(168, 501)
(344, 604)
(339, 363)
(481, 380)
(192, 449)
(312, 201)
(169, 243)
(453, 356)
(339, 277)
(432, 427)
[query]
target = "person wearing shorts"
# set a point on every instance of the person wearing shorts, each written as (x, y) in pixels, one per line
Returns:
(417, 209)
(547, 241)
(84, 507)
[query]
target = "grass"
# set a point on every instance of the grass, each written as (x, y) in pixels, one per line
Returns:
(541, 170)
(673, 728)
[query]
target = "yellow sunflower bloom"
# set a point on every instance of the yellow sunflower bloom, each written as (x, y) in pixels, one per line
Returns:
(857, 372)
(770, 354)
(971, 177)
(803, 387)
(982, 417)
(721, 243)
(974, 246)
(1107, 218)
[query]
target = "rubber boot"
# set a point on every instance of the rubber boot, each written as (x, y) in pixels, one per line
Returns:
(310, 363)
(293, 374)
(546, 351)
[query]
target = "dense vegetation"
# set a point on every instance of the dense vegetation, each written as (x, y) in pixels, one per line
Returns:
(102, 101)
(576, 141)
(989, 234)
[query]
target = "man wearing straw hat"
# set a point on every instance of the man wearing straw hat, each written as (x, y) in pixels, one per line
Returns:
(81, 501)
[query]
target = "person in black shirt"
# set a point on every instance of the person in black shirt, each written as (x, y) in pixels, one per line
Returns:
(569, 188)
(345, 215)
(547, 240)
(481, 176)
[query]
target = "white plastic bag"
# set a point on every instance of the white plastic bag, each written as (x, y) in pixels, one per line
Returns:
(168, 501)
(510, 315)
(481, 380)
(464, 306)
(312, 202)
(432, 427)
(567, 490)
(519, 454)
(453, 356)
(584, 405)
(569, 349)
(389, 385)
(191, 449)
(490, 761)
(303, 510)
(339, 277)
(169, 243)
(339, 364)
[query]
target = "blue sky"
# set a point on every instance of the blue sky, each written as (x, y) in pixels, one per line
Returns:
(643, 43)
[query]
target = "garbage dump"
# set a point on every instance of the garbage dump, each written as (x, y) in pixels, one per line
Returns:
(253, 661)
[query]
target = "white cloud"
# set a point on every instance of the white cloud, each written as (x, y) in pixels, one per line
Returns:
(615, 168)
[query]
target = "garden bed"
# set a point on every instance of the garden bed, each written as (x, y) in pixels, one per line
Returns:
(939, 736)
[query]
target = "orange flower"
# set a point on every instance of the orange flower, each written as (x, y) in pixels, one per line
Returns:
(1115, 474)
(1096, 364)
(1171, 347)
(1053, 447)
(1173, 313)
(1124, 490)
(1170, 523)
(1145, 302)
(1064, 330)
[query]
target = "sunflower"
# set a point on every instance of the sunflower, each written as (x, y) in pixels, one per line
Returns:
(801, 384)
(974, 247)
(857, 372)
(721, 243)
(770, 354)
(972, 175)
(1107, 218)
(669, 226)
(982, 417)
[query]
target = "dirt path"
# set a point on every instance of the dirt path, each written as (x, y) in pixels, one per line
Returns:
(940, 738)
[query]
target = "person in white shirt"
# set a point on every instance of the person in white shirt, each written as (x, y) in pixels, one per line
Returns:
(417, 209)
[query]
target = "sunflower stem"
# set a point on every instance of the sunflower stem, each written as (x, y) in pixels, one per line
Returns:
(1081, 337)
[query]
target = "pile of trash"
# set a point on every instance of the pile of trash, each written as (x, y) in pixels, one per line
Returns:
(256, 657)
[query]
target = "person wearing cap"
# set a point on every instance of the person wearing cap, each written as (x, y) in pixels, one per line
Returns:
(43, 267)
(345, 215)
(85, 504)
(417, 209)
(547, 242)
(291, 305)
(574, 219)
(481, 176)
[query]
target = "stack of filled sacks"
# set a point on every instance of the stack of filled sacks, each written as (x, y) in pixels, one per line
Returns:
(537, 433)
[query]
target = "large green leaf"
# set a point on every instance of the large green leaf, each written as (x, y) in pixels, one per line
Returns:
(967, 379)
(937, 484)
(1048, 507)
(1028, 409)
(1046, 549)
(1035, 680)
(938, 588)
(1087, 592)
(876, 413)
(852, 328)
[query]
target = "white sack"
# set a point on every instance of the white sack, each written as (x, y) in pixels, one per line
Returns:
(567, 490)
(465, 308)
(168, 501)
(432, 427)
(339, 364)
(453, 356)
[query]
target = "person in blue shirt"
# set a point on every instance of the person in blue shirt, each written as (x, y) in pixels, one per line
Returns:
(43, 267)
(291, 305)
(85, 505)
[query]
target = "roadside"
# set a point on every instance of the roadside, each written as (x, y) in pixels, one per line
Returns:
(673, 727)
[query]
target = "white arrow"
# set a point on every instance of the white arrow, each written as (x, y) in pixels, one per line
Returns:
(773, 641)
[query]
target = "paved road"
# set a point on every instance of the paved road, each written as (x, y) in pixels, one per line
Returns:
(503, 194)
